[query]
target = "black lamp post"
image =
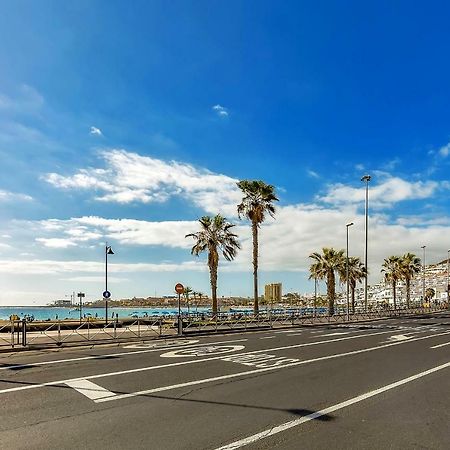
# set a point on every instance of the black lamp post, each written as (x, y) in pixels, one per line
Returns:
(106, 294)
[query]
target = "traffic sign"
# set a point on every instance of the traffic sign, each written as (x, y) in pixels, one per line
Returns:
(106, 294)
(179, 288)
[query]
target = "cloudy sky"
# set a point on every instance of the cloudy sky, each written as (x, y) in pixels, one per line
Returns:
(126, 122)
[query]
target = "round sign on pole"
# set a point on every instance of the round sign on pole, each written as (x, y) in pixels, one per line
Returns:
(179, 288)
(106, 294)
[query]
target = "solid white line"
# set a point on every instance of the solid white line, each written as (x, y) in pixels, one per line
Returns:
(181, 363)
(268, 337)
(293, 423)
(336, 334)
(252, 372)
(90, 390)
(441, 345)
(109, 355)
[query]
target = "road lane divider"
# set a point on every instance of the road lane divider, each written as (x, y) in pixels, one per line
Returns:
(294, 423)
(441, 345)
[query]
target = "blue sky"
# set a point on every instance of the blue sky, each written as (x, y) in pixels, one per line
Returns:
(127, 122)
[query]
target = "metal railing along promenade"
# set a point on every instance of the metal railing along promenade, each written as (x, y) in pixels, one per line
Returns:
(20, 334)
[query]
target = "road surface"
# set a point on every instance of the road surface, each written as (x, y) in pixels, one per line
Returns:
(383, 384)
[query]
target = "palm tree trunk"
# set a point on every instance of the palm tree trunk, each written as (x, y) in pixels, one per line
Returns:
(353, 299)
(255, 267)
(408, 293)
(394, 293)
(213, 264)
(330, 291)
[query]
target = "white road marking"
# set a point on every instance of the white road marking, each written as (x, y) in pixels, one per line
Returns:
(268, 337)
(159, 344)
(336, 334)
(293, 423)
(398, 337)
(194, 361)
(441, 345)
(90, 390)
(252, 372)
(261, 360)
(105, 356)
(202, 351)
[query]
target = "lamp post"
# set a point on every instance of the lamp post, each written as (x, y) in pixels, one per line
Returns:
(366, 179)
(448, 280)
(347, 226)
(106, 294)
(423, 275)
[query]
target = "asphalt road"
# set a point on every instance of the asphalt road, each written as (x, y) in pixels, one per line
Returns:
(382, 385)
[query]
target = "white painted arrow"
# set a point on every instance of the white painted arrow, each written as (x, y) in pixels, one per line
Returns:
(399, 337)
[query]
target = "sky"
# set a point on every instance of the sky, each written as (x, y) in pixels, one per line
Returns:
(127, 122)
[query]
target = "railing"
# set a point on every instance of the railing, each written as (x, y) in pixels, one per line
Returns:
(20, 334)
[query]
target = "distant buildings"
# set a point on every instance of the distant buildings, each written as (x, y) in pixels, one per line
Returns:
(273, 292)
(62, 303)
(435, 277)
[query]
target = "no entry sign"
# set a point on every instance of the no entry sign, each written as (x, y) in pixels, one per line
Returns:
(179, 288)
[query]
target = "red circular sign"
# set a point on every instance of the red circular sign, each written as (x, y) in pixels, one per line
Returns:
(179, 288)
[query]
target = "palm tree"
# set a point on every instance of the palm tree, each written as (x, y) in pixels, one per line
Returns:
(410, 264)
(392, 273)
(356, 273)
(215, 235)
(325, 267)
(429, 294)
(256, 203)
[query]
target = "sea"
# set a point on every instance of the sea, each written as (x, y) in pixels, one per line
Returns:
(55, 313)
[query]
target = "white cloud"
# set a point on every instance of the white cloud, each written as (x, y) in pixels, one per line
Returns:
(384, 194)
(129, 177)
(56, 242)
(8, 196)
(312, 173)
(95, 131)
(445, 150)
(55, 267)
(220, 110)
(25, 100)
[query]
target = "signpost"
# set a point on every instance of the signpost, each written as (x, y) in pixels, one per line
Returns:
(179, 289)
(80, 295)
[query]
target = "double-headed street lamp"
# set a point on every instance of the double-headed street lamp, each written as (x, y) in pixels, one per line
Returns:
(107, 294)
(366, 179)
(348, 225)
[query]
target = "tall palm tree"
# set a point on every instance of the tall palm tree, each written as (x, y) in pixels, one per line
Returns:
(325, 267)
(410, 265)
(215, 235)
(392, 270)
(356, 273)
(256, 203)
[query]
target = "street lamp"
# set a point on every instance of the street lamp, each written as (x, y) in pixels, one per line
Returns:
(107, 294)
(348, 225)
(448, 280)
(423, 275)
(366, 179)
